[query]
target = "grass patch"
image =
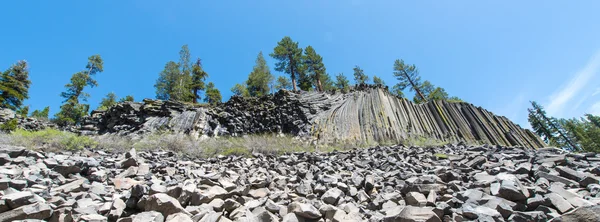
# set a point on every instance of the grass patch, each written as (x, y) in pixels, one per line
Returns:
(49, 140)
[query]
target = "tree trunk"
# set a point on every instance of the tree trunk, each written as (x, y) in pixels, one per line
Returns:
(292, 73)
(415, 87)
(558, 130)
(195, 100)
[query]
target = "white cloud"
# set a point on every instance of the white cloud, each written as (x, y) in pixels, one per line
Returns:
(559, 100)
(596, 92)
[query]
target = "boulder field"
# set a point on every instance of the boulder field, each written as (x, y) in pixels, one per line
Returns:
(448, 183)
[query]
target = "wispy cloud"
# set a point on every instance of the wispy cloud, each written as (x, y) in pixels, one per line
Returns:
(559, 100)
(595, 109)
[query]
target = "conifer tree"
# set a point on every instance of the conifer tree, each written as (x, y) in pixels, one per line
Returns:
(260, 79)
(14, 85)
(213, 95)
(108, 101)
(378, 81)
(359, 76)
(72, 110)
(315, 69)
(408, 75)
(240, 90)
(342, 83)
(198, 77)
(289, 57)
(41, 114)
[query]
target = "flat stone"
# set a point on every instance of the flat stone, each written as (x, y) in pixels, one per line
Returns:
(148, 216)
(39, 211)
(560, 203)
(582, 214)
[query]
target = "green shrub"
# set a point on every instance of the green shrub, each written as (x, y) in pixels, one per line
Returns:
(51, 139)
(9, 126)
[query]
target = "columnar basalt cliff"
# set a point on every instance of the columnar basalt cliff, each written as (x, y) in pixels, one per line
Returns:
(369, 114)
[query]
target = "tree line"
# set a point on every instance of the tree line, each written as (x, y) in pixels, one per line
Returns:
(576, 134)
(185, 81)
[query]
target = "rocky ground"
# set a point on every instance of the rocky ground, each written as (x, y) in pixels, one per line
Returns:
(453, 183)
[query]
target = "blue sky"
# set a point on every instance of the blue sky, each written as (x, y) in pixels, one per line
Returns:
(494, 54)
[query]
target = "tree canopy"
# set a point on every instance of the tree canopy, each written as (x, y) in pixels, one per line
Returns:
(342, 83)
(14, 85)
(408, 76)
(283, 83)
(289, 58)
(72, 111)
(359, 76)
(260, 79)
(213, 95)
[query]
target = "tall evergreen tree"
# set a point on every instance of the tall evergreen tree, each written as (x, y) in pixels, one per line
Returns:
(283, 83)
(14, 85)
(342, 83)
(72, 110)
(260, 79)
(168, 78)
(359, 76)
(378, 81)
(289, 57)
(315, 69)
(198, 77)
(408, 75)
(549, 128)
(176, 81)
(213, 95)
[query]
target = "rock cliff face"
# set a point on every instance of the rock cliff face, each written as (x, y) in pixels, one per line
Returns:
(370, 114)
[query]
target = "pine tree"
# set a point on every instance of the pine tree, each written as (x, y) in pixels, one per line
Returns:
(176, 82)
(14, 85)
(315, 69)
(378, 81)
(408, 75)
(359, 76)
(342, 83)
(165, 85)
(108, 101)
(240, 90)
(198, 77)
(72, 111)
(549, 128)
(260, 79)
(213, 95)
(289, 57)
(283, 83)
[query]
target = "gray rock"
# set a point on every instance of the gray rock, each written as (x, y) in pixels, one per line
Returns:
(164, 204)
(303, 210)
(410, 213)
(416, 199)
(332, 196)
